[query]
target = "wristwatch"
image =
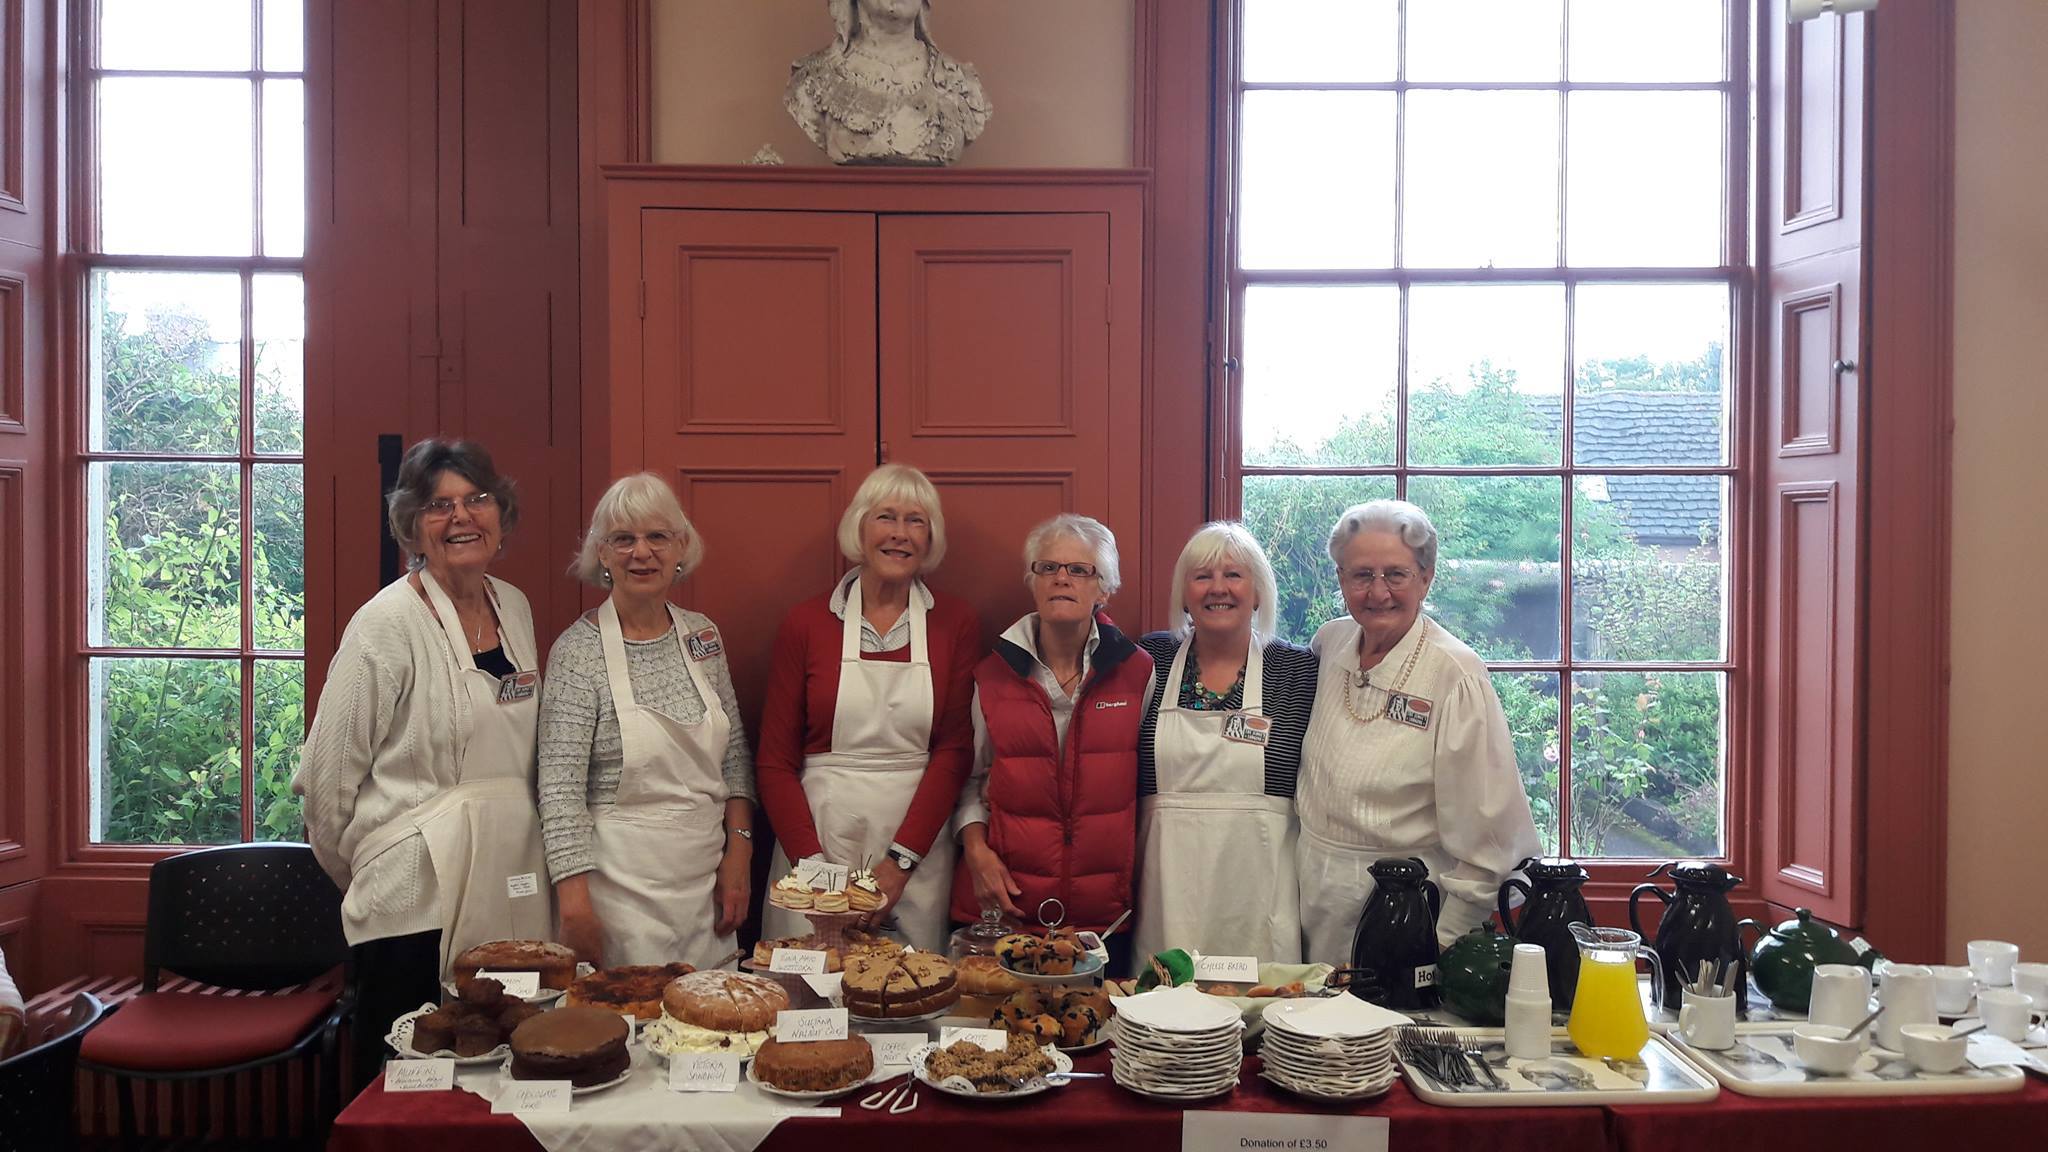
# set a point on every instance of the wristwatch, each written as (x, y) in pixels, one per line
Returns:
(903, 860)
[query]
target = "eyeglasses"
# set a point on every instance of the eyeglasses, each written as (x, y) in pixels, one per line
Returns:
(624, 542)
(475, 502)
(1395, 578)
(1051, 567)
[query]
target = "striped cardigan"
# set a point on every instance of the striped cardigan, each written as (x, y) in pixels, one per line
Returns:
(1288, 689)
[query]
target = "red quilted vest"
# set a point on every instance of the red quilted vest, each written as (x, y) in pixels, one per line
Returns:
(1064, 820)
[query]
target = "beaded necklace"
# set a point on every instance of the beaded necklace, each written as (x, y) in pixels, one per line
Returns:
(1196, 696)
(1400, 682)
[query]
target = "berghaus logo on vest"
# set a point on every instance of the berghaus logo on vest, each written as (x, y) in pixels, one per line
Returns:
(1101, 704)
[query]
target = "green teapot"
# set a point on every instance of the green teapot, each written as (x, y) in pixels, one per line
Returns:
(1784, 957)
(1473, 975)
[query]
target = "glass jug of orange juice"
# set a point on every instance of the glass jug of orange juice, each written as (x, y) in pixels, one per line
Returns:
(1607, 1011)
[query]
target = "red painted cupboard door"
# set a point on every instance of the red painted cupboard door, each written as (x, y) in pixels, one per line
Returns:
(996, 379)
(759, 404)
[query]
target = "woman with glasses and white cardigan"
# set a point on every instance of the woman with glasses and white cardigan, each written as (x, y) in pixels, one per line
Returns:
(1408, 752)
(646, 785)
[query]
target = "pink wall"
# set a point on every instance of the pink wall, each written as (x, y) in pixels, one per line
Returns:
(1998, 762)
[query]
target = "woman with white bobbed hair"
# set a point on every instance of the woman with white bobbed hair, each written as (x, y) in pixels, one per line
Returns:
(1217, 755)
(646, 787)
(1048, 823)
(864, 733)
(1408, 753)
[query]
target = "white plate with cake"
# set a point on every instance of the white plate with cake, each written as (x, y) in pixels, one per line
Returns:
(405, 1029)
(817, 1069)
(555, 963)
(886, 984)
(584, 1045)
(715, 1011)
(970, 1071)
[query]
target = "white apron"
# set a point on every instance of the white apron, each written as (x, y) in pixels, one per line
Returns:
(482, 836)
(861, 789)
(1217, 854)
(1334, 888)
(655, 888)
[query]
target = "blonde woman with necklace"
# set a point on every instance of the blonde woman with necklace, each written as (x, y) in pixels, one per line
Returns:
(1218, 751)
(1408, 753)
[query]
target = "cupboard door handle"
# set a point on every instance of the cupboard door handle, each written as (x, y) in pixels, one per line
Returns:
(1842, 367)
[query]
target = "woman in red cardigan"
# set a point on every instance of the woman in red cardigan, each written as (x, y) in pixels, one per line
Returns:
(1049, 822)
(865, 739)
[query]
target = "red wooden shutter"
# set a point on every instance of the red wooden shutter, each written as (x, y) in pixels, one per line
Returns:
(1808, 461)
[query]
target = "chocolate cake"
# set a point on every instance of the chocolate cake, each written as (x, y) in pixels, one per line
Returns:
(582, 1045)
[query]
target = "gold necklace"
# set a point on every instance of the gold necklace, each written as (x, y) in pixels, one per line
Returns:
(1401, 682)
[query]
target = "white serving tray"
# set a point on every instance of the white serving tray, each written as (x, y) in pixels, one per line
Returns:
(1567, 1078)
(1762, 1064)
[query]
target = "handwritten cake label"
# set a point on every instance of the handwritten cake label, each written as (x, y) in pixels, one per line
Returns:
(524, 985)
(796, 960)
(1236, 969)
(531, 1096)
(826, 984)
(524, 884)
(436, 1075)
(896, 1047)
(821, 875)
(993, 1039)
(798, 1026)
(705, 1072)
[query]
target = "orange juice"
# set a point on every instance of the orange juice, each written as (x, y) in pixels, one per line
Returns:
(1607, 1010)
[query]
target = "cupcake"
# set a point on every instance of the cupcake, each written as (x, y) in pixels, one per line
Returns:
(831, 902)
(791, 893)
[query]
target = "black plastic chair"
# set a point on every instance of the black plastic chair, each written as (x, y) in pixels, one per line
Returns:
(37, 1085)
(250, 918)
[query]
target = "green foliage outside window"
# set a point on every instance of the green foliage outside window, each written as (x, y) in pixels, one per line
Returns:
(1646, 747)
(171, 728)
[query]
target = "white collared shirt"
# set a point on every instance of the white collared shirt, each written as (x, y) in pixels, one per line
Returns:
(871, 640)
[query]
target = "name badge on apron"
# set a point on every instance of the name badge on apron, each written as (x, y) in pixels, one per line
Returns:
(1413, 711)
(704, 645)
(1247, 728)
(518, 686)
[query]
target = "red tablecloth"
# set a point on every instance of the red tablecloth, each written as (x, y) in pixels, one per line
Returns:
(1084, 1114)
(1095, 1113)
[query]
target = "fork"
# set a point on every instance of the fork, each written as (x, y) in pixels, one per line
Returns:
(1477, 1056)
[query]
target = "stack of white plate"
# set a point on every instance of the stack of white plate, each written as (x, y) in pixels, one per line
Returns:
(1177, 1044)
(1336, 1049)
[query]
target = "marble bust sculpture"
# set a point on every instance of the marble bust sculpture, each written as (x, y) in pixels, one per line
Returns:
(883, 93)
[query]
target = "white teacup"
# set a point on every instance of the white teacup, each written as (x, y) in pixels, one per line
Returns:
(2007, 1014)
(1993, 960)
(1953, 986)
(1907, 993)
(2032, 979)
(1841, 995)
(1933, 1048)
(1707, 1021)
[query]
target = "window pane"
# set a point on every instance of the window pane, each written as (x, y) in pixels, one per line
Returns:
(278, 315)
(280, 727)
(1648, 575)
(165, 555)
(1485, 40)
(1305, 203)
(279, 555)
(1530, 701)
(1628, 40)
(210, 35)
(1646, 764)
(284, 35)
(174, 161)
(284, 167)
(1482, 180)
(1292, 516)
(1651, 385)
(1485, 374)
(1333, 41)
(1646, 185)
(167, 747)
(1319, 367)
(1496, 583)
(166, 361)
